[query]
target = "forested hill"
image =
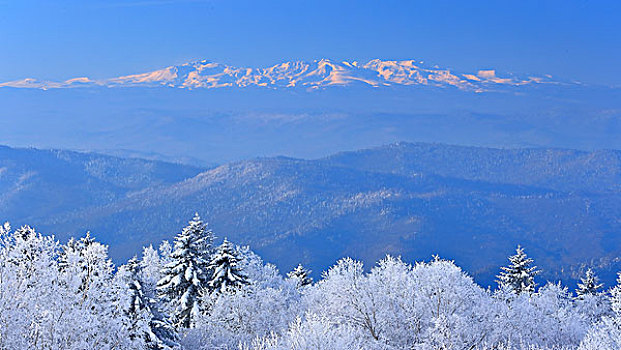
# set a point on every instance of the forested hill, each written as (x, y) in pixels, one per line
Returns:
(559, 169)
(469, 204)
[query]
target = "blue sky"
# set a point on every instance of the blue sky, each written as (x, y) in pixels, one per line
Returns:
(572, 40)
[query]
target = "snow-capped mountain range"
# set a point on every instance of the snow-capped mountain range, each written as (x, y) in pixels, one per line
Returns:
(309, 75)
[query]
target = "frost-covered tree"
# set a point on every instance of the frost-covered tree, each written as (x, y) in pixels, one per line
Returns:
(544, 319)
(264, 307)
(43, 306)
(151, 265)
(607, 333)
(165, 251)
(519, 276)
(301, 276)
(146, 323)
(71, 296)
(226, 272)
(589, 284)
(30, 297)
(402, 305)
(590, 301)
(187, 273)
(86, 267)
(132, 301)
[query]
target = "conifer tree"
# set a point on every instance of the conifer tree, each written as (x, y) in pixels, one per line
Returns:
(519, 276)
(589, 284)
(227, 274)
(145, 321)
(302, 275)
(187, 273)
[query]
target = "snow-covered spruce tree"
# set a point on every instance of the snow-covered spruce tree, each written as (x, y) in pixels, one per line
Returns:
(144, 320)
(187, 273)
(227, 274)
(133, 305)
(519, 276)
(588, 285)
(301, 276)
(590, 301)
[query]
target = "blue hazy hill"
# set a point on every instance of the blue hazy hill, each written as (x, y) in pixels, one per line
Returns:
(471, 204)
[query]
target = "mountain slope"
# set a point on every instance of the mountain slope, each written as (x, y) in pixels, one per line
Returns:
(559, 169)
(38, 184)
(362, 204)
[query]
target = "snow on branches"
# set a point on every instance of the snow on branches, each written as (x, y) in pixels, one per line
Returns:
(191, 296)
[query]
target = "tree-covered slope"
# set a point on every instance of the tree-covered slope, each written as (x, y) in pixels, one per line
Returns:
(469, 204)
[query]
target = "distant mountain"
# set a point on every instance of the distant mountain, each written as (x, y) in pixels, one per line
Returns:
(42, 184)
(464, 203)
(312, 75)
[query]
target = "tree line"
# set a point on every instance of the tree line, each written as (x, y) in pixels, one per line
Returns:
(193, 294)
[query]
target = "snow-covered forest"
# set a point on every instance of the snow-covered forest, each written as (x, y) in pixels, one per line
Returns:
(194, 294)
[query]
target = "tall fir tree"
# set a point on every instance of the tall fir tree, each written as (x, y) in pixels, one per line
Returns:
(227, 274)
(145, 321)
(301, 275)
(589, 284)
(519, 276)
(187, 273)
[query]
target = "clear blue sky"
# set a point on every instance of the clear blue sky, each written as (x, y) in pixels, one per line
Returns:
(61, 39)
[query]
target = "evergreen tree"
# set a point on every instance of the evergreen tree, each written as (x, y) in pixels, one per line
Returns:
(187, 273)
(519, 276)
(589, 284)
(145, 321)
(302, 275)
(226, 271)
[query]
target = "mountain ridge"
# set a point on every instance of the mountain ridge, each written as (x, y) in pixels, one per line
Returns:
(317, 74)
(349, 204)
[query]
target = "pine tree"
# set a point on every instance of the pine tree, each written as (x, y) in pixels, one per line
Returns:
(226, 272)
(589, 284)
(145, 321)
(302, 275)
(187, 273)
(519, 276)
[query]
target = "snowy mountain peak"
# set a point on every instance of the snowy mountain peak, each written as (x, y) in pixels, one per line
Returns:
(310, 75)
